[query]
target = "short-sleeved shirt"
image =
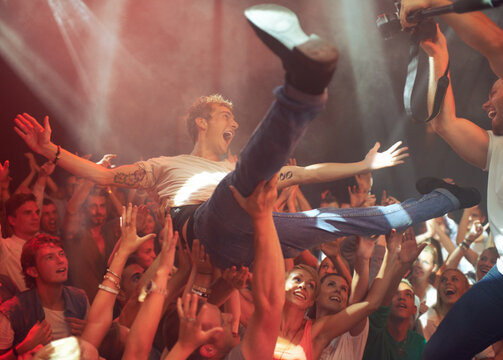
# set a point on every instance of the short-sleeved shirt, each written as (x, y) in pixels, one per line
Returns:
(346, 346)
(494, 165)
(381, 345)
(184, 179)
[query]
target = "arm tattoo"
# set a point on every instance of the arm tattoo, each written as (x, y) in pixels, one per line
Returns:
(131, 178)
(285, 176)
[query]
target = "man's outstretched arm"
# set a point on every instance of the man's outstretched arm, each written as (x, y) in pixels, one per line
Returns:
(38, 138)
(325, 172)
(466, 138)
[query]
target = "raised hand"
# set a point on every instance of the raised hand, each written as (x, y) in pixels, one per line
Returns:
(191, 334)
(4, 171)
(375, 160)
(106, 161)
(200, 259)
(76, 325)
(129, 240)
(39, 334)
(169, 239)
(331, 248)
(47, 168)
(409, 249)
(261, 202)
(32, 162)
(388, 199)
(33, 134)
(365, 247)
(236, 278)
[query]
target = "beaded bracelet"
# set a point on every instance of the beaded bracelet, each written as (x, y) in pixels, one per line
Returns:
(116, 283)
(108, 289)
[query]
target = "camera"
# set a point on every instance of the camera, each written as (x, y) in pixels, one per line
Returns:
(389, 25)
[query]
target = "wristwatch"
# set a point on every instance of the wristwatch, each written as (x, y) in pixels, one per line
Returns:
(151, 287)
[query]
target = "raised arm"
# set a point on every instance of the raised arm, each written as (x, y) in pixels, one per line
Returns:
(474, 28)
(38, 138)
(467, 139)
(101, 312)
(268, 283)
(141, 336)
(395, 263)
(325, 172)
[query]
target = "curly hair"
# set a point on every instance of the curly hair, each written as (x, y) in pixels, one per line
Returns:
(202, 108)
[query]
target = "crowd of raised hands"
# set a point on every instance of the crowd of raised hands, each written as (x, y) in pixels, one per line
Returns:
(157, 301)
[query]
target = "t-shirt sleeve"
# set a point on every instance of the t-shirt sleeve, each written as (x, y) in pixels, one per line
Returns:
(152, 168)
(489, 150)
(378, 318)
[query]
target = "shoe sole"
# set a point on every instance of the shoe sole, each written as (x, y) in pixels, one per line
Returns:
(279, 29)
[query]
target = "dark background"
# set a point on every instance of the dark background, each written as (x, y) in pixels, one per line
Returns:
(117, 76)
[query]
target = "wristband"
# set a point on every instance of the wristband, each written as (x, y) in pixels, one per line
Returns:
(114, 274)
(58, 155)
(108, 289)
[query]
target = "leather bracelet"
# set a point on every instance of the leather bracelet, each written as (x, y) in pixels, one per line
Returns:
(58, 155)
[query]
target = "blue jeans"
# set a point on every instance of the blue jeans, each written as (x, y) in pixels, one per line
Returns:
(472, 324)
(226, 230)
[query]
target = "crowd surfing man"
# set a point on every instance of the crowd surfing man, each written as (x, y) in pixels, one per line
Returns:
(196, 185)
(475, 320)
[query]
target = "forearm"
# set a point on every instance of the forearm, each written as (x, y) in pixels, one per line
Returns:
(393, 279)
(341, 267)
(360, 282)
(303, 203)
(480, 33)
(446, 242)
(269, 272)
(101, 313)
(25, 184)
(115, 201)
(318, 173)
(141, 336)
(456, 131)
(39, 188)
(386, 283)
(77, 165)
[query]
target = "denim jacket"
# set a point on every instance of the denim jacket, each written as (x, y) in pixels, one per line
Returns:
(25, 309)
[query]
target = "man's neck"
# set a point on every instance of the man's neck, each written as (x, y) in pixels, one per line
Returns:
(397, 328)
(24, 236)
(204, 152)
(51, 295)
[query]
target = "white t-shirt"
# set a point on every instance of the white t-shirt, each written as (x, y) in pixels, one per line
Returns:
(495, 192)
(10, 264)
(184, 179)
(56, 319)
(347, 347)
